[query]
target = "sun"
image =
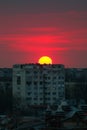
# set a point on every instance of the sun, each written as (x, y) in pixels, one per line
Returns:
(45, 60)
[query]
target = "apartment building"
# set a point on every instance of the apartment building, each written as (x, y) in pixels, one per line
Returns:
(35, 84)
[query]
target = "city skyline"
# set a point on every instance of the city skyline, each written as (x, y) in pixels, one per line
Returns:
(32, 29)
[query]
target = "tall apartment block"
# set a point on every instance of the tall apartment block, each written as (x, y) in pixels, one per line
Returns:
(35, 84)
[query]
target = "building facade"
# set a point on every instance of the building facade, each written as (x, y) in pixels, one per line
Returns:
(76, 84)
(5, 89)
(35, 84)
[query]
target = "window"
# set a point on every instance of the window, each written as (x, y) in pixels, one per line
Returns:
(40, 77)
(35, 99)
(18, 80)
(47, 93)
(41, 93)
(47, 98)
(35, 72)
(28, 98)
(35, 93)
(54, 98)
(60, 93)
(54, 93)
(35, 88)
(41, 98)
(41, 87)
(18, 88)
(28, 78)
(41, 82)
(49, 77)
(59, 77)
(29, 93)
(54, 77)
(54, 83)
(7, 84)
(28, 83)
(35, 83)
(35, 76)
(27, 71)
(18, 93)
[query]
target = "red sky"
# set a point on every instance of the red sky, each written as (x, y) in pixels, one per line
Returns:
(29, 30)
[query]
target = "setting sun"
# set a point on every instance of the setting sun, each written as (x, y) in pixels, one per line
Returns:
(45, 60)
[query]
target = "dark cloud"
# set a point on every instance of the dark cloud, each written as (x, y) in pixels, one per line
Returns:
(41, 6)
